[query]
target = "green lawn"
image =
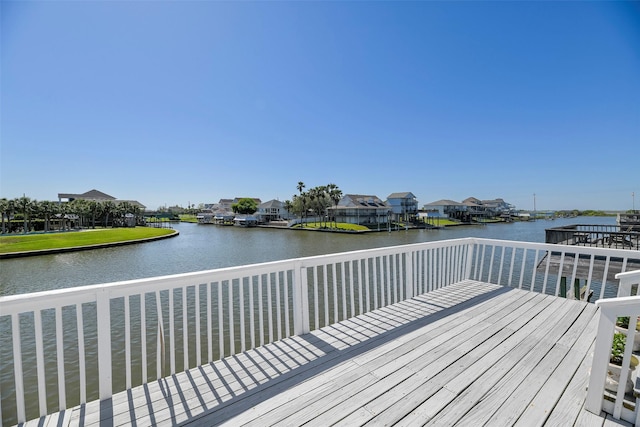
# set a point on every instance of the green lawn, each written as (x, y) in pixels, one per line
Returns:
(34, 242)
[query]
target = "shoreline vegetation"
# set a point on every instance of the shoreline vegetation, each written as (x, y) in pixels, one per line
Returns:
(16, 245)
(39, 243)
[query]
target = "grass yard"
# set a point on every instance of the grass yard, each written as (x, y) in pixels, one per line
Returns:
(40, 241)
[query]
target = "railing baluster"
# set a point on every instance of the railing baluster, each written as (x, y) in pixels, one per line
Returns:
(17, 367)
(334, 280)
(160, 360)
(172, 333)
(185, 329)
(127, 342)
(62, 395)
(198, 315)
(287, 321)
(232, 338)
(278, 305)
(367, 286)
(220, 321)
(325, 289)
(533, 269)
(143, 337)
(523, 262)
(559, 278)
(42, 390)
(375, 272)
(252, 316)
(209, 321)
(352, 295)
(103, 312)
(316, 307)
(260, 312)
(82, 365)
(343, 276)
(241, 311)
(270, 306)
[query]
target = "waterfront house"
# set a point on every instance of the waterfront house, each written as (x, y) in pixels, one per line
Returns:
(447, 209)
(404, 206)
(273, 210)
(97, 196)
(367, 210)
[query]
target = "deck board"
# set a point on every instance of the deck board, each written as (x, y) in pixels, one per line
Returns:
(473, 353)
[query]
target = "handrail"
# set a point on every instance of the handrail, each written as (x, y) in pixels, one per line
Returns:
(152, 327)
(610, 311)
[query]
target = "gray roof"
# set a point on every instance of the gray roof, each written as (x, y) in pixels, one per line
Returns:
(89, 195)
(444, 202)
(271, 204)
(406, 195)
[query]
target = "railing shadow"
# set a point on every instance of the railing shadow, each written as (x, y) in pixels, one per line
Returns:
(215, 393)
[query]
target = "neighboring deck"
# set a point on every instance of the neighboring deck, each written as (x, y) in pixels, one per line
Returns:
(471, 353)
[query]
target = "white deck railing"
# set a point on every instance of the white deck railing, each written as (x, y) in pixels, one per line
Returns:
(616, 398)
(66, 347)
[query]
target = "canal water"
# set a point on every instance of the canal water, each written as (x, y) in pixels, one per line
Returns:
(198, 247)
(205, 247)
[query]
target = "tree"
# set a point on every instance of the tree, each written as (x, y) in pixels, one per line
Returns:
(245, 206)
(48, 209)
(288, 205)
(24, 205)
(108, 207)
(94, 209)
(4, 211)
(335, 194)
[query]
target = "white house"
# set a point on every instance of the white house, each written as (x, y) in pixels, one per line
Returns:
(360, 209)
(404, 206)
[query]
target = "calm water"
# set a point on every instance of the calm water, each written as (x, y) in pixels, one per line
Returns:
(198, 247)
(204, 247)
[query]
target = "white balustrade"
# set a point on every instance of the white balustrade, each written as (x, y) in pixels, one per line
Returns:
(613, 402)
(112, 337)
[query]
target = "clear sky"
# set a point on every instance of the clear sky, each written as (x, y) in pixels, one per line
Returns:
(188, 102)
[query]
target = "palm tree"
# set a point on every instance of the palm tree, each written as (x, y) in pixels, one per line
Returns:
(24, 206)
(335, 194)
(107, 208)
(47, 209)
(4, 211)
(312, 194)
(300, 186)
(288, 206)
(94, 210)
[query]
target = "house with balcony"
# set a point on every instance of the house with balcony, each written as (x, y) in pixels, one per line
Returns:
(273, 210)
(367, 210)
(447, 209)
(404, 206)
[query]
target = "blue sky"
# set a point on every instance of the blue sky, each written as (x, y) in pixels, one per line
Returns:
(189, 102)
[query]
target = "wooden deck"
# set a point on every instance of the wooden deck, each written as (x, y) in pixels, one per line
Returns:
(470, 354)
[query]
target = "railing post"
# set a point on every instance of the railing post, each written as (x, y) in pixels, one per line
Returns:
(103, 312)
(627, 280)
(600, 361)
(408, 275)
(300, 300)
(469, 260)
